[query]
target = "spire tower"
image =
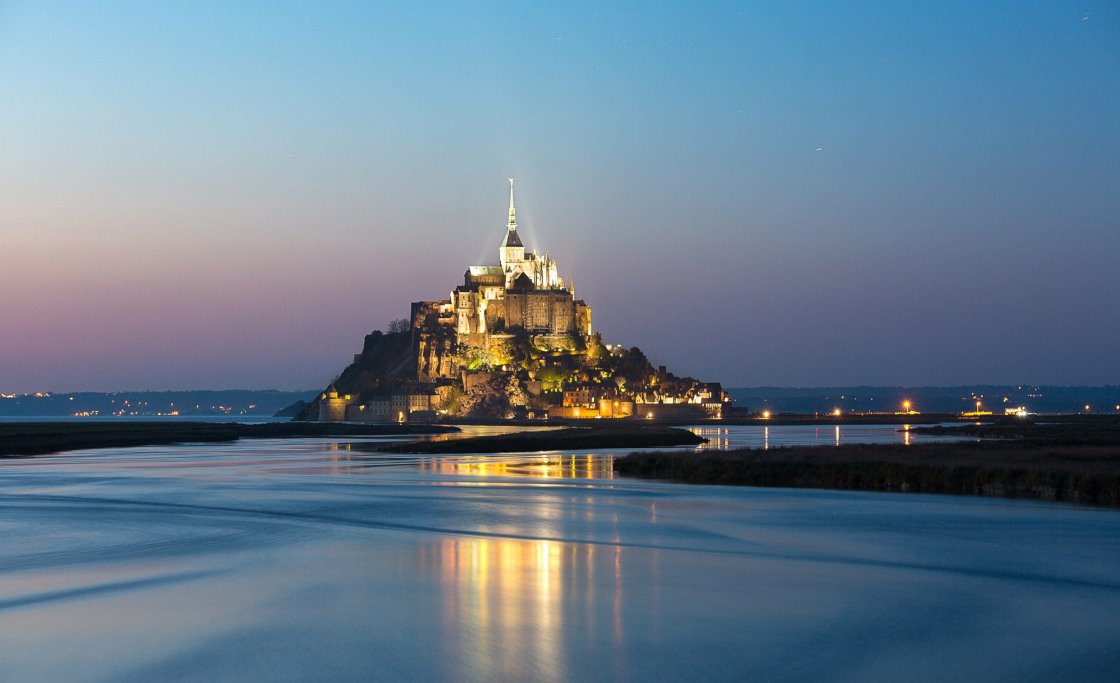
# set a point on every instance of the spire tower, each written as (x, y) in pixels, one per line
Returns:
(512, 250)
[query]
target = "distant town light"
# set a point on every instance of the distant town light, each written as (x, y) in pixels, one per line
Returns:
(836, 412)
(766, 414)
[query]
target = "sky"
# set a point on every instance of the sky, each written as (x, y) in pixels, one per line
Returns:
(215, 195)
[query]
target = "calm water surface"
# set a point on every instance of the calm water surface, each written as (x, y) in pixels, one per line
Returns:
(742, 436)
(315, 560)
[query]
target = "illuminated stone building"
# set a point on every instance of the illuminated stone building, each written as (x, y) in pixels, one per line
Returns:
(332, 406)
(523, 292)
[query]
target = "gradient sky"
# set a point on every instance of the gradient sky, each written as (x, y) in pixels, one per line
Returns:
(213, 195)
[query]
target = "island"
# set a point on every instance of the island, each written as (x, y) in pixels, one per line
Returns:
(512, 341)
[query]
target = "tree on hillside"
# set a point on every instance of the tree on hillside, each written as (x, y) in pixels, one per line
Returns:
(595, 348)
(553, 373)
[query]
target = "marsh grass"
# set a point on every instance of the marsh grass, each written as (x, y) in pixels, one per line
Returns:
(1073, 473)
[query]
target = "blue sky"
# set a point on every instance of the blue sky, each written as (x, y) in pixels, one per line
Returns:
(217, 195)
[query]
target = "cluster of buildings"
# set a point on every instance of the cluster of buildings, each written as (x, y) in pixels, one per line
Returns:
(664, 397)
(415, 405)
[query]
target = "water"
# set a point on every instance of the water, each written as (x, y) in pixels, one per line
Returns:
(743, 436)
(317, 560)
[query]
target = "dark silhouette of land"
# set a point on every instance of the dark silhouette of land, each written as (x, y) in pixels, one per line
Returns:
(1074, 458)
(1071, 458)
(153, 403)
(39, 438)
(571, 438)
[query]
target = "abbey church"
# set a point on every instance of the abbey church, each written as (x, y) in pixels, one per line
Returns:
(524, 293)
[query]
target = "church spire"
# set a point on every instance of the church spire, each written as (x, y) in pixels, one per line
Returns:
(512, 250)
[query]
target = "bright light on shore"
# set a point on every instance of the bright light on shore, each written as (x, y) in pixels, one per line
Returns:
(766, 414)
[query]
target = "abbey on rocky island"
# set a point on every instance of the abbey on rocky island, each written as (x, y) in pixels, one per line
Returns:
(512, 340)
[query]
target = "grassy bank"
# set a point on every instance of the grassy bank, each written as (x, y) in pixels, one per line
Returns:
(1074, 473)
(571, 438)
(39, 438)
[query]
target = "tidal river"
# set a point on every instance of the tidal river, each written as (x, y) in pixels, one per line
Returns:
(317, 560)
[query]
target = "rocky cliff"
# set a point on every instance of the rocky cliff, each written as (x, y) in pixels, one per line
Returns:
(387, 362)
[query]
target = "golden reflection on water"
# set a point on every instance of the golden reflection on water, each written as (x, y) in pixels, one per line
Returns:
(338, 457)
(538, 466)
(506, 601)
(335, 458)
(473, 431)
(718, 438)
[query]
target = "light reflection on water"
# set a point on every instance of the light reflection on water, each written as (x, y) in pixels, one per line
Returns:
(310, 559)
(562, 465)
(503, 598)
(600, 465)
(543, 466)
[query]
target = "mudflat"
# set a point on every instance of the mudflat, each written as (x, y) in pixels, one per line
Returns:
(569, 438)
(40, 438)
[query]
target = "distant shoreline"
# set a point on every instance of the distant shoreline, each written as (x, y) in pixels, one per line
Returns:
(784, 420)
